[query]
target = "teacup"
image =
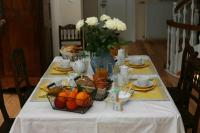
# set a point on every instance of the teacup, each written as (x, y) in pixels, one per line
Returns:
(143, 81)
(64, 64)
(136, 60)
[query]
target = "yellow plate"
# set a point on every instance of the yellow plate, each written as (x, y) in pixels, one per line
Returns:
(57, 68)
(137, 66)
(148, 88)
(143, 89)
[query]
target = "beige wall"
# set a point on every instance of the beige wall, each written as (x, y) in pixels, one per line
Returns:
(63, 12)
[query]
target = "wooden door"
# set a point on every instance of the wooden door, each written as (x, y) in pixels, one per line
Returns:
(22, 30)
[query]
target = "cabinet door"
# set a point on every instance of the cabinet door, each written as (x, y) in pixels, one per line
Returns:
(22, 30)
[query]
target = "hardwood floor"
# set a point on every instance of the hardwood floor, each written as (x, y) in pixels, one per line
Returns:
(155, 49)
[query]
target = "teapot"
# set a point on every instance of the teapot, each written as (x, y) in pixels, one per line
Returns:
(79, 66)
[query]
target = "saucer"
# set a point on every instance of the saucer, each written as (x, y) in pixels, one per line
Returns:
(144, 87)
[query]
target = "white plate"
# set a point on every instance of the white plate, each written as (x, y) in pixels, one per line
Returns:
(143, 84)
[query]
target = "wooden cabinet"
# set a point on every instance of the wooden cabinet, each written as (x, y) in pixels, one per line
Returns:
(23, 29)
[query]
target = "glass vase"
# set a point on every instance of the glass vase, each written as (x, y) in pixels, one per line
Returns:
(103, 63)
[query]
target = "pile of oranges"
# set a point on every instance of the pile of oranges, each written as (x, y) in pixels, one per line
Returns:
(72, 99)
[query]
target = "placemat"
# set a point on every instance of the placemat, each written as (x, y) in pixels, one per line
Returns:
(148, 69)
(157, 93)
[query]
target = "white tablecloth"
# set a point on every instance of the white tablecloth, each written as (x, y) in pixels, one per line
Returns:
(136, 117)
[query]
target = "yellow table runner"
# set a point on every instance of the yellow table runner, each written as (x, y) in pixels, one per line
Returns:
(157, 93)
(148, 69)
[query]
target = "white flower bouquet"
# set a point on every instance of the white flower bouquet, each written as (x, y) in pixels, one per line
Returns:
(101, 35)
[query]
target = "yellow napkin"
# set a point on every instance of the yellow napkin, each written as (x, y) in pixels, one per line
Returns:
(41, 92)
(154, 93)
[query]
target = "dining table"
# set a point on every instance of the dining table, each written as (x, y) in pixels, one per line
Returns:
(145, 112)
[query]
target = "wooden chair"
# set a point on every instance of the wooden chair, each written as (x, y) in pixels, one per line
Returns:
(69, 35)
(6, 125)
(176, 92)
(22, 83)
(191, 82)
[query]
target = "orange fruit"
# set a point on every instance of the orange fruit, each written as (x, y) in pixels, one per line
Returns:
(71, 104)
(82, 99)
(71, 101)
(64, 94)
(72, 95)
(75, 90)
(59, 102)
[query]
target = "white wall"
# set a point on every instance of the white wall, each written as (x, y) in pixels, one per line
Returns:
(63, 12)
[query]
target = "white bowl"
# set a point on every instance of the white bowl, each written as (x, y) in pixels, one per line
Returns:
(124, 96)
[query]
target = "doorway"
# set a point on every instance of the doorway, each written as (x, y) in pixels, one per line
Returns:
(140, 7)
(122, 9)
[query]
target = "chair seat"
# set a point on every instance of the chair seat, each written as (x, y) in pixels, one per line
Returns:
(5, 126)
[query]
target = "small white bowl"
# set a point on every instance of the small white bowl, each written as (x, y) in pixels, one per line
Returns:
(124, 96)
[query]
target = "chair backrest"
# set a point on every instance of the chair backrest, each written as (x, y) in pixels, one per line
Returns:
(68, 33)
(187, 52)
(192, 86)
(20, 72)
(2, 105)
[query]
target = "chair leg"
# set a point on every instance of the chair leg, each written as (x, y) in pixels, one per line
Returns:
(20, 97)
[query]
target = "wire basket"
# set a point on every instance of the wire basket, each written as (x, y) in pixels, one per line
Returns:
(98, 94)
(79, 109)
